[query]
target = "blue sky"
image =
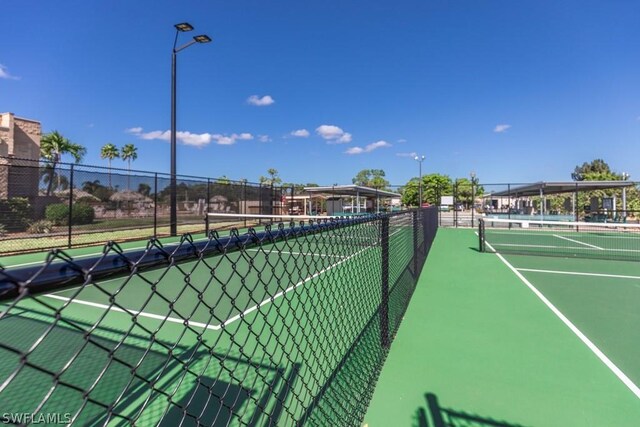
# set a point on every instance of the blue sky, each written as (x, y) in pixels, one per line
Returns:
(516, 91)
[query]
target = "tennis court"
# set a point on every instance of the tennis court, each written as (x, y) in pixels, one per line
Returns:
(249, 328)
(514, 339)
(581, 271)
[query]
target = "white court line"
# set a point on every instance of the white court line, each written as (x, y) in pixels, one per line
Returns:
(202, 325)
(579, 273)
(296, 253)
(522, 245)
(577, 241)
(609, 364)
(137, 313)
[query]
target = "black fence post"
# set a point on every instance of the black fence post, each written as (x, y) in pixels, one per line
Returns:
(509, 202)
(293, 200)
(155, 205)
(244, 201)
(455, 203)
(384, 303)
(70, 218)
(414, 217)
(473, 202)
(206, 209)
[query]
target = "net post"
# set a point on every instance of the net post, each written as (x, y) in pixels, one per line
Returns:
(384, 303)
(70, 218)
(155, 204)
(481, 235)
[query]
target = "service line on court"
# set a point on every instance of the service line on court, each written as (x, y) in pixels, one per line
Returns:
(203, 325)
(579, 273)
(599, 354)
(577, 241)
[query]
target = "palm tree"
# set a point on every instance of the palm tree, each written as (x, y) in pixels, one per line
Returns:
(109, 152)
(52, 147)
(129, 152)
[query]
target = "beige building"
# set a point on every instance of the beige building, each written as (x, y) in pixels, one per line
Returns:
(19, 141)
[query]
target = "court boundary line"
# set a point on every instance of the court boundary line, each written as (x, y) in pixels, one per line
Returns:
(578, 242)
(296, 253)
(524, 245)
(594, 349)
(579, 273)
(203, 325)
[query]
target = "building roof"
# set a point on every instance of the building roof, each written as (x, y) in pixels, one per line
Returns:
(560, 187)
(350, 190)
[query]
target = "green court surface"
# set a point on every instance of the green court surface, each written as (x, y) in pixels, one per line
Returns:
(601, 241)
(480, 347)
(233, 320)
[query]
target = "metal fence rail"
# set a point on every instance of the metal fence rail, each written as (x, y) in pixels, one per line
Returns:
(287, 325)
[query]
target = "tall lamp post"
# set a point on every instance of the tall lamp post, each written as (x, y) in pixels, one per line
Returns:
(473, 195)
(180, 28)
(419, 159)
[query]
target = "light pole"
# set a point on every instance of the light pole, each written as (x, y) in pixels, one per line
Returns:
(419, 159)
(180, 28)
(473, 195)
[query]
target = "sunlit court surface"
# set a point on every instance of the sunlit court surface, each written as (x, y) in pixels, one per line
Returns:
(227, 329)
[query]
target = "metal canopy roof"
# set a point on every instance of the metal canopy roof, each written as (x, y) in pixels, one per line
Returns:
(350, 190)
(561, 187)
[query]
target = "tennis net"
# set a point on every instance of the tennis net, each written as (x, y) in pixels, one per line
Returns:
(616, 241)
(269, 325)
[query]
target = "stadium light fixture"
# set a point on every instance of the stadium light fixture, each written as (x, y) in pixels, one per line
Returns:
(202, 38)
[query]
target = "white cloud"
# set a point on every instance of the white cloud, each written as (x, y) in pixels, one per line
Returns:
(264, 138)
(334, 134)
(260, 102)
(413, 154)
(4, 74)
(402, 140)
(231, 139)
(501, 128)
(369, 148)
(300, 133)
(188, 138)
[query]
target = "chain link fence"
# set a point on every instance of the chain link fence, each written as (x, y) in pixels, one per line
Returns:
(286, 325)
(45, 206)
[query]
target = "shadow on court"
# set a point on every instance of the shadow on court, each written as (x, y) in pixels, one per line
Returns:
(94, 372)
(435, 415)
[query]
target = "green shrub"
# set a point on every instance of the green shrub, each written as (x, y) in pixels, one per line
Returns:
(41, 227)
(83, 214)
(15, 213)
(58, 214)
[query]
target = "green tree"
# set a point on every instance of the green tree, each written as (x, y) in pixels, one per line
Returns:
(373, 178)
(433, 187)
(109, 152)
(144, 189)
(96, 189)
(596, 170)
(599, 170)
(52, 147)
(272, 179)
(129, 153)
